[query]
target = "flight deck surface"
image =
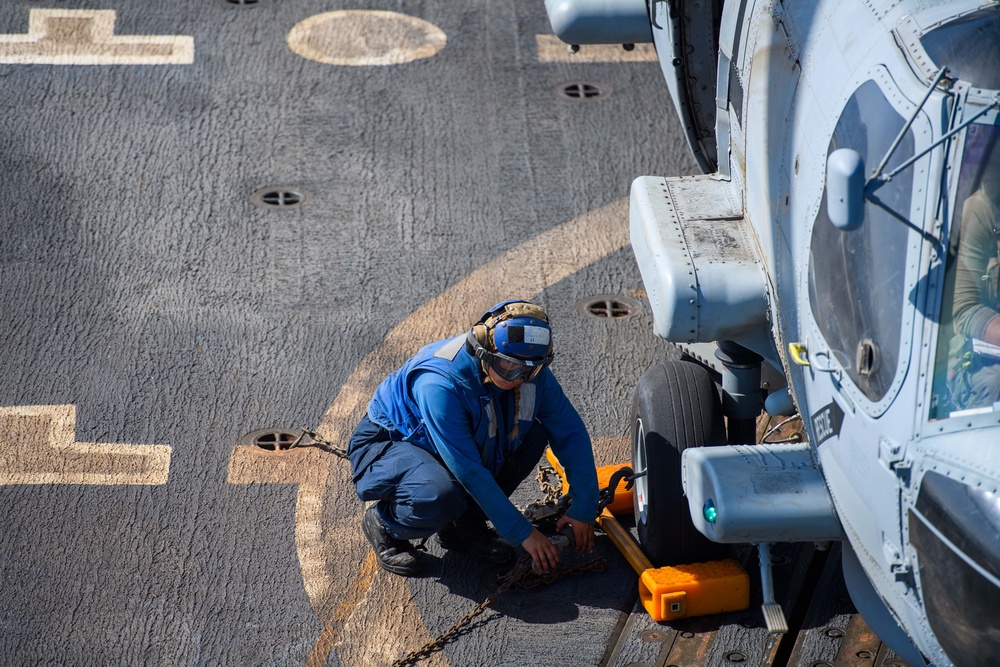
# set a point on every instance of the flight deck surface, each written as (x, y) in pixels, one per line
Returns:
(227, 216)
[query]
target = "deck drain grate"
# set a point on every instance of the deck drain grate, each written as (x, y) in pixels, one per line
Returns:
(279, 197)
(271, 439)
(581, 91)
(607, 306)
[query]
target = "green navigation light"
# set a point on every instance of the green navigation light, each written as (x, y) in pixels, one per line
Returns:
(709, 511)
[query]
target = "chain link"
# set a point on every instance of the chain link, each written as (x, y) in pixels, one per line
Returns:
(552, 491)
(532, 580)
(318, 441)
(521, 576)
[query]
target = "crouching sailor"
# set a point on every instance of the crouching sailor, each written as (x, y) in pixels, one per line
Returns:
(453, 432)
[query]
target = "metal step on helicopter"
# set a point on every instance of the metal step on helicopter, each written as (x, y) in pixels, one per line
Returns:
(839, 260)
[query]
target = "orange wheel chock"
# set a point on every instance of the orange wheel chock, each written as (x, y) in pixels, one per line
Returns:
(697, 589)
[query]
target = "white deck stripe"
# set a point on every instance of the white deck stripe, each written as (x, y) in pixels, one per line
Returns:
(38, 446)
(86, 37)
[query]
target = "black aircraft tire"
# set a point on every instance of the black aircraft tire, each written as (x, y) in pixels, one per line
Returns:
(676, 406)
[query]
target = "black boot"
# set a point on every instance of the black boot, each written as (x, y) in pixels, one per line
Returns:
(394, 555)
(471, 535)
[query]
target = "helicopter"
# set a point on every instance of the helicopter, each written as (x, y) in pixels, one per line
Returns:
(837, 259)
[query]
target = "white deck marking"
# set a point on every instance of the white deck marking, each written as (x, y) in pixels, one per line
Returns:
(331, 548)
(38, 446)
(551, 49)
(86, 37)
(364, 38)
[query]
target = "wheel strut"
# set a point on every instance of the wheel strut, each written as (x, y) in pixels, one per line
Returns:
(741, 394)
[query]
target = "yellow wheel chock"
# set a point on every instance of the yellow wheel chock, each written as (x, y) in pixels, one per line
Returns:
(670, 592)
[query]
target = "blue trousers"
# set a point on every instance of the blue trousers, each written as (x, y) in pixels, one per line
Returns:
(417, 495)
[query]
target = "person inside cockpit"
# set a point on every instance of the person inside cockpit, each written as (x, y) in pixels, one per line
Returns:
(975, 376)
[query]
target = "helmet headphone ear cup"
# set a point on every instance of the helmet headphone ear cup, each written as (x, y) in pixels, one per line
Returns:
(481, 334)
(481, 330)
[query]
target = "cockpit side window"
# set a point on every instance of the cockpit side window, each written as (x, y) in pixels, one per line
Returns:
(969, 47)
(967, 371)
(857, 278)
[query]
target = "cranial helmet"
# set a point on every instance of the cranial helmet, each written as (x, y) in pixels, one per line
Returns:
(515, 332)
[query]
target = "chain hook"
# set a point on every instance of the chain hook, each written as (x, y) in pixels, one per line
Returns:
(607, 494)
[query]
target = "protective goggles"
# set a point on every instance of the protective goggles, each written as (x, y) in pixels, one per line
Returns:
(512, 368)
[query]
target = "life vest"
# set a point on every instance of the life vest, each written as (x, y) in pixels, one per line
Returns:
(394, 406)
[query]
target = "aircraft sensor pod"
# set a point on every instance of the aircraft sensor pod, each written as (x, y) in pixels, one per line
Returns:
(600, 21)
(759, 494)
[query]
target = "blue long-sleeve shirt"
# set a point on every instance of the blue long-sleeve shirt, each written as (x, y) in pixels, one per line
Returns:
(438, 400)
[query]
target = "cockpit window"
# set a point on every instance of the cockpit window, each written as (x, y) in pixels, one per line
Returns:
(967, 373)
(969, 47)
(857, 278)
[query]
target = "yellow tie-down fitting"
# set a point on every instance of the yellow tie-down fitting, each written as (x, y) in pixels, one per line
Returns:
(671, 592)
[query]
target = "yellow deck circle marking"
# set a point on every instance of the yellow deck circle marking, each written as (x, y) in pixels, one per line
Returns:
(363, 38)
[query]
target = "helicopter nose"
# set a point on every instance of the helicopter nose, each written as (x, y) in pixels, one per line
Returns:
(955, 529)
